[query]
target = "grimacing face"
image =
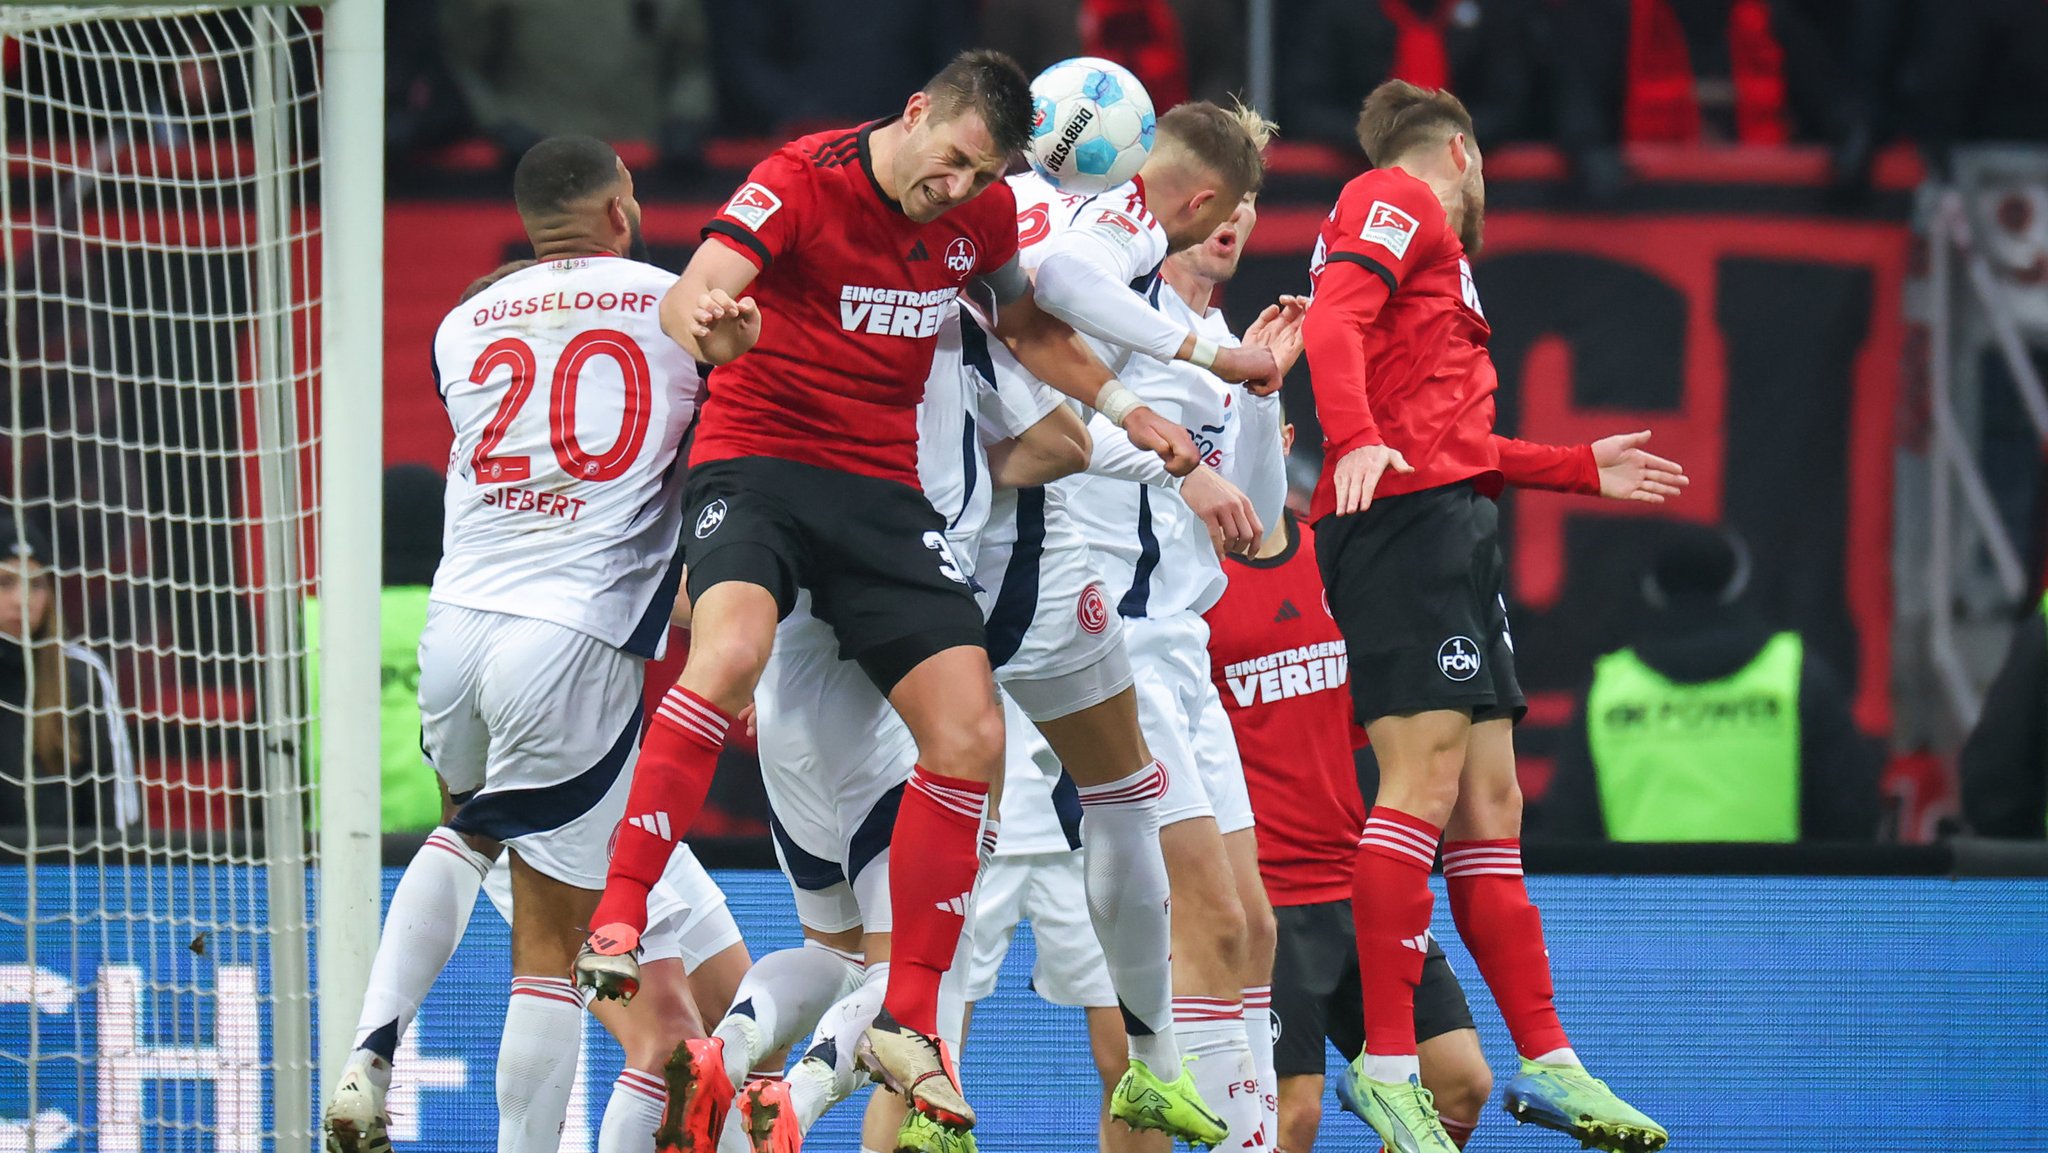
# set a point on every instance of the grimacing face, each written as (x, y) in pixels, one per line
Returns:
(1215, 258)
(943, 164)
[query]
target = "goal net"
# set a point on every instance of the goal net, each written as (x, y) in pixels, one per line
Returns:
(161, 278)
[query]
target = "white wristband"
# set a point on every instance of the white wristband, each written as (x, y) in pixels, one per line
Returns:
(1204, 355)
(1116, 402)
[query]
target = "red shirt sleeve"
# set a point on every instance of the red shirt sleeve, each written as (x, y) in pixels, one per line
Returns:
(1557, 467)
(1386, 224)
(763, 218)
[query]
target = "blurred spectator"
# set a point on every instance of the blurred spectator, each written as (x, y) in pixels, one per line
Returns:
(2005, 761)
(1038, 33)
(1330, 53)
(785, 65)
(412, 551)
(1981, 74)
(1711, 726)
(66, 764)
(423, 107)
(535, 68)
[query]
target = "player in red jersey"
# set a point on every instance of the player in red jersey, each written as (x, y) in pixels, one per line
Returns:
(1407, 540)
(819, 295)
(1279, 664)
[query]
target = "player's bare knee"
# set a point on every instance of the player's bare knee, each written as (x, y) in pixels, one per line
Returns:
(727, 671)
(1261, 938)
(968, 746)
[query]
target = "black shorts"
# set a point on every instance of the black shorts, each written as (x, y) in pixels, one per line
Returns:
(872, 552)
(1418, 588)
(1316, 994)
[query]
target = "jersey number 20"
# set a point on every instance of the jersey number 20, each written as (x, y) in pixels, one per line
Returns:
(517, 355)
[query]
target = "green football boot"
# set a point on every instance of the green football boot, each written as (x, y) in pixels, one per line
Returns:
(1574, 1102)
(1403, 1113)
(1143, 1101)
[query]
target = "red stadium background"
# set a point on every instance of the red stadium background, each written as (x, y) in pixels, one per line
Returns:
(1720, 303)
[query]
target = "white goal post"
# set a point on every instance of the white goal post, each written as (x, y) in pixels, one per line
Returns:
(191, 253)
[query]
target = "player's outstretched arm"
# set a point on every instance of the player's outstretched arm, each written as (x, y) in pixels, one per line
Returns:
(1629, 472)
(705, 312)
(1058, 445)
(1080, 282)
(1054, 353)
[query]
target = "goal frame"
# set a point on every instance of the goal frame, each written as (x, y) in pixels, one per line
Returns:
(351, 415)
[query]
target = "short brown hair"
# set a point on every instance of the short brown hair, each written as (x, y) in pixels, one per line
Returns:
(1399, 117)
(990, 83)
(1217, 137)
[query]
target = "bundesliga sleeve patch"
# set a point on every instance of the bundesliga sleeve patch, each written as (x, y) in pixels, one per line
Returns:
(1115, 226)
(1390, 228)
(753, 204)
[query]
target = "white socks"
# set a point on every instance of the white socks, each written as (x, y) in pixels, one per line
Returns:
(1391, 1069)
(633, 1113)
(1220, 1058)
(779, 1000)
(429, 911)
(537, 1058)
(1258, 1032)
(1562, 1056)
(826, 1075)
(1127, 901)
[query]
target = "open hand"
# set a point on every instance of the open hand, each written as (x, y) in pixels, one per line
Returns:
(1627, 472)
(1358, 474)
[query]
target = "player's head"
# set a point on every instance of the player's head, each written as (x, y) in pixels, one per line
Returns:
(1427, 132)
(959, 132)
(1205, 160)
(574, 194)
(1215, 257)
(494, 276)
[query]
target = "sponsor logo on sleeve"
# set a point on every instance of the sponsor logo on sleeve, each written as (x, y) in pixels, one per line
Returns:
(1389, 227)
(752, 205)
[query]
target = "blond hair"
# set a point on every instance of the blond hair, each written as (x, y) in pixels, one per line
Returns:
(1261, 130)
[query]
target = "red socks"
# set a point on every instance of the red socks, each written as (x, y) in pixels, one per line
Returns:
(678, 757)
(1390, 906)
(932, 864)
(1504, 932)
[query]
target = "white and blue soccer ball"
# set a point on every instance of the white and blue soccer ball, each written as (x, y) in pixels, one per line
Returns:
(1091, 125)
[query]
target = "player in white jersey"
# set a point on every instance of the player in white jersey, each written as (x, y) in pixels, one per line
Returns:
(1037, 875)
(1158, 562)
(557, 577)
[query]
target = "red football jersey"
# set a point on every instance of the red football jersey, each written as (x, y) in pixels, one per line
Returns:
(852, 294)
(1279, 663)
(1396, 340)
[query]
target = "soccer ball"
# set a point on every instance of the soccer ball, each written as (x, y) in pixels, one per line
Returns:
(1091, 125)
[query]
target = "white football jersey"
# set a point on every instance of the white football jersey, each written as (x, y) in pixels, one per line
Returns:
(1150, 547)
(968, 406)
(564, 488)
(1113, 228)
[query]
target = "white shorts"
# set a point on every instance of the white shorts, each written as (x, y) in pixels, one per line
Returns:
(686, 912)
(533, 725)
(834, 760)
(1054, 638)
(1051, 891)
(1184, 722)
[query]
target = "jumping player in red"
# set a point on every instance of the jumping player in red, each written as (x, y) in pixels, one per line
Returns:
(819, 295)
(1407, 540)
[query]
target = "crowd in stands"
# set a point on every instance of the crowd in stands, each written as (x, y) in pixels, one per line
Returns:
(1591, 76)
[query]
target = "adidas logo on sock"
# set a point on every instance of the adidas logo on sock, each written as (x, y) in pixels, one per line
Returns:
(954, 905)
(1287, 612)
(917, 252)
(655, 824)
(1419, 942)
